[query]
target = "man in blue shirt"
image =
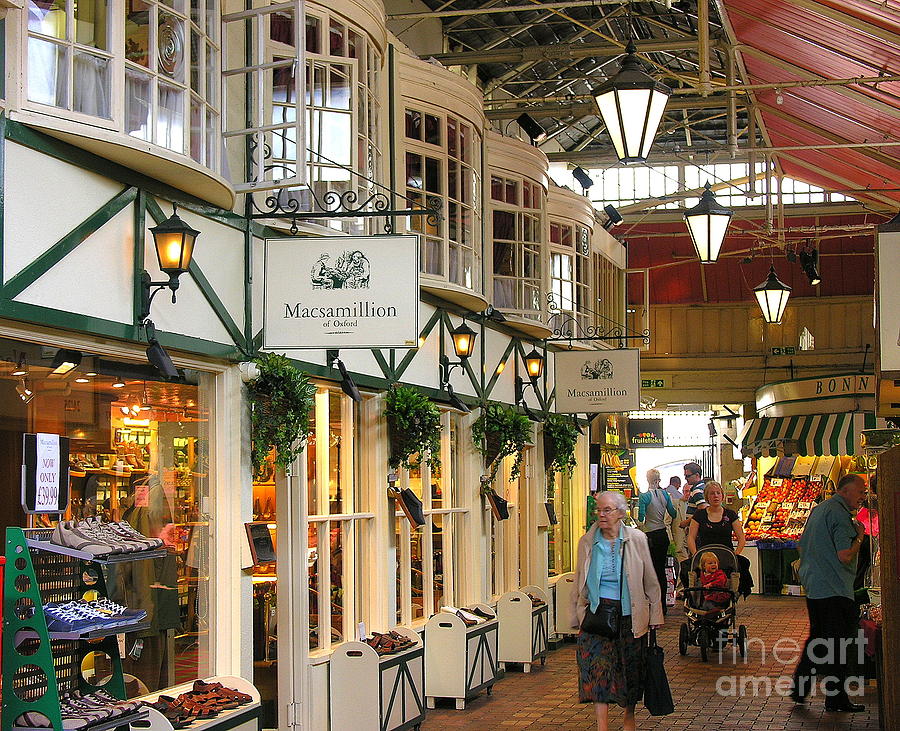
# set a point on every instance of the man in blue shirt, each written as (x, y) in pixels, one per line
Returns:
(829, 548)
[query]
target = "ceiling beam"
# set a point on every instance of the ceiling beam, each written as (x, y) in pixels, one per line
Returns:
(884, 201)
(848, 19)
(682, 194)
(589, 108)
(500, 9)
(557, 51)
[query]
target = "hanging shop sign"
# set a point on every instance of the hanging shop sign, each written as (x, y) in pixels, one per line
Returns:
(341, 292)
(603, 381)
(45, 473)
(646, 433)
(824, 391)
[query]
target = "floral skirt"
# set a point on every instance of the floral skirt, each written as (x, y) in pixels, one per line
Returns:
(611, 670)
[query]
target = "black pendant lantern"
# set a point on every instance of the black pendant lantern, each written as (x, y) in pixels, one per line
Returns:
(707, 223)
(772, 296)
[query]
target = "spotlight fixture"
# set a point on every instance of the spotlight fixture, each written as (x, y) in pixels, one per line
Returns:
(157, 355)
(174, 241)
(791, 255)
(455, 401)
(535, 132)
(631, 105)
(772, 296)
(332, 357)
(707, 223)
(21, 368)
(118, 383)
(64, 361)
(614, 218)
(585, 180)
(809, 262)
(24, 391)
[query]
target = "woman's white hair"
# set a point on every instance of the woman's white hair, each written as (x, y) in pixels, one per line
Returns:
(653, 478)
(617, 499)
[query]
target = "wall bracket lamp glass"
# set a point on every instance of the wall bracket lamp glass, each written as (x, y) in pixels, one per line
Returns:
(174, 241)
(772, 296)
(707, 223)
(534, 367)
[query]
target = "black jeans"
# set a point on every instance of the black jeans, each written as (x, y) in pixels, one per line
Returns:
(832, 621)
(658, 541)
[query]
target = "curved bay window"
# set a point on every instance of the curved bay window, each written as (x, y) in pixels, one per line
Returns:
(159, 83)
(518, 234)
(441, 163)
(570, 262)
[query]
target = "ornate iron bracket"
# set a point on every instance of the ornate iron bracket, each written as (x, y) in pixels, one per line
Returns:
(569, 329)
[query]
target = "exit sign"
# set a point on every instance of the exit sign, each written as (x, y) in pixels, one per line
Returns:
(789, 350)
(653, 383)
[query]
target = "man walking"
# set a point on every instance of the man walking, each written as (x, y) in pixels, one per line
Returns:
(694, 487)
(829, 548)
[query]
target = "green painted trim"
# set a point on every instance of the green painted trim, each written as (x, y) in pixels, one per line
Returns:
(24, 135)
(383, 364)
(209, 293)
(49, 317)
(854, 395)
(155, 211)
(67, 244)
(817, 378)
(410, 355)
(140, 223)
(489, 389)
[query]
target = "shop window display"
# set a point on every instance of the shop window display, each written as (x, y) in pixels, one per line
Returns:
(559, 536)
(138, 456)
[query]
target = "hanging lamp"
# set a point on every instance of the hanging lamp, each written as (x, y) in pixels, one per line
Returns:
(772, 296)
(707, 223)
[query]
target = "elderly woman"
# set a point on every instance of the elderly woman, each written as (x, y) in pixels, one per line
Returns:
(614, 570)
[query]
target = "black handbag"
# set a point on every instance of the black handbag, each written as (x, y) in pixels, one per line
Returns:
(657, 695)
(606, 621)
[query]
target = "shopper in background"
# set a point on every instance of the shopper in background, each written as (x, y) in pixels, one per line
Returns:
(679, 502)
(653, 506)
(693, 477)
(674, 487)
(829, 549)
(614, 567)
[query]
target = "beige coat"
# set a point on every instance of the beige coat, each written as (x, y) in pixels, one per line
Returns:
(646, 607)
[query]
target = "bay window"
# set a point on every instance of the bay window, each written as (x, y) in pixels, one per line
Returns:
(570, 269)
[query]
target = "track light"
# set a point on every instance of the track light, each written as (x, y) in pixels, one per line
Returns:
(614, 218)
(24, 391)
(534, 131)
(64, 361)
(159, 359)
(585, 180)
(332, 357)
(809, 262)
(21, 368)
(455, 401)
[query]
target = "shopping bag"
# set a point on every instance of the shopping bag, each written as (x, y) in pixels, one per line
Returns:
(657, 695)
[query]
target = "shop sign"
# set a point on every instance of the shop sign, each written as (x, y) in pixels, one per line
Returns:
(645, 433)
(617, 476)
(848, 385)
(45, 473)
(602, 381)
(341, 292)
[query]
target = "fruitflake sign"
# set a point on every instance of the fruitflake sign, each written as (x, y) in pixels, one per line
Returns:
(45, 473)
(341, 292)
(598, 381)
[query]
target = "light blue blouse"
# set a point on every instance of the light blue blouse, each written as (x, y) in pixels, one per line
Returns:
(604, 571)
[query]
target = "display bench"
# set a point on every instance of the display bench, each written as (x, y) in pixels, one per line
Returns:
(523, 627)
(460, 661)
(244, 718)
(372, 692)
(565, 623)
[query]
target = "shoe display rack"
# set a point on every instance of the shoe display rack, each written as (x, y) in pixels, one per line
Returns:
(460, 661)
(244, 718)
(40, 666)
(372, 692)
(564, 622)
(523, 627)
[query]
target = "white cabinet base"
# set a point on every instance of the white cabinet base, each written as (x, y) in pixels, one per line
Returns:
(523, 628)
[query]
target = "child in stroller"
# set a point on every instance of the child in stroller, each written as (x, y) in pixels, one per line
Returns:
(711, 602)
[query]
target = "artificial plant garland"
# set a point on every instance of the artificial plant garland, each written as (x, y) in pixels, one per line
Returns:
(560, 438)
(498, 432)
(280, 402)
(414, 428)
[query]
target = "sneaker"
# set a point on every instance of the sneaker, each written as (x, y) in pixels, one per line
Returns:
(125, 530)
(101, 531)
(105, 606)
(68, 535)
(68, 617)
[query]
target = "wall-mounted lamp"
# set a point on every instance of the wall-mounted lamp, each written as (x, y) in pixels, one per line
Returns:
(534, 367)
(463, 338)
(347, 384)
(64, 361)
(174, 241)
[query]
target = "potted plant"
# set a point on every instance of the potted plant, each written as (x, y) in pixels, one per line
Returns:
(414, 428)
(280, 401)
(560, 438)
(498, 432)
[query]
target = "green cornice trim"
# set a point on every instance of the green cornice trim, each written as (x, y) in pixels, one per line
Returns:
(67, 244)
(510, 347)
(411, 354)
(384, 365)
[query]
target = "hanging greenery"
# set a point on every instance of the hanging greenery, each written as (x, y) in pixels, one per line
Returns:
(414, 428)
(280, 402)
(499, 432)
(560, 437)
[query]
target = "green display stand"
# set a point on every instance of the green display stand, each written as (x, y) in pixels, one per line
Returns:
(38, 666)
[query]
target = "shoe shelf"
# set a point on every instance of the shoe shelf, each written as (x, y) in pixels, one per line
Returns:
(243, 718)
(564, 622)
(40, 667)
(523, 628)
(460, 661)
(97, 634)
(39, 538)
(372, 692)
(140, 717)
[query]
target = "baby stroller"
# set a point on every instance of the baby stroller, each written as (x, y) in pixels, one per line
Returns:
(712, 624)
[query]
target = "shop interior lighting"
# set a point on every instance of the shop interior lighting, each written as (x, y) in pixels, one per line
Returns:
(21, 368)
(535, 132)
(632, 105)
(809, 262)
(347, 384)
(24, 390)
(64, 361)
(583, 178)
(613, 217)
(118, 383)
(772, 296)
(707, 223)
(82, 379)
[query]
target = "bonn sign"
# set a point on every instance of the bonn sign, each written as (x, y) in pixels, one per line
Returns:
(341, 292)
(598, 381)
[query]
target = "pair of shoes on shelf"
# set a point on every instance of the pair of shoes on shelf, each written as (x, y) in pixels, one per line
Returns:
(535, 601)
(102, 539)
(84, 616)
(389, 643)
(79, 710)
(481, 613)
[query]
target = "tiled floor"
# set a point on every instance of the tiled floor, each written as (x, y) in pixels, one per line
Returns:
(548, 697)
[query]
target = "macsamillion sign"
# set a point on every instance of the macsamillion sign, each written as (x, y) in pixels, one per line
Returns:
(598, 381)
(341, 292)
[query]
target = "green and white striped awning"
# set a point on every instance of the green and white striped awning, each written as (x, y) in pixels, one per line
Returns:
(817, 435)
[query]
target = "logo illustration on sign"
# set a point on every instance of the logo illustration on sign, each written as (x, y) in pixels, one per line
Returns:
(600, 369)
(350, 271)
